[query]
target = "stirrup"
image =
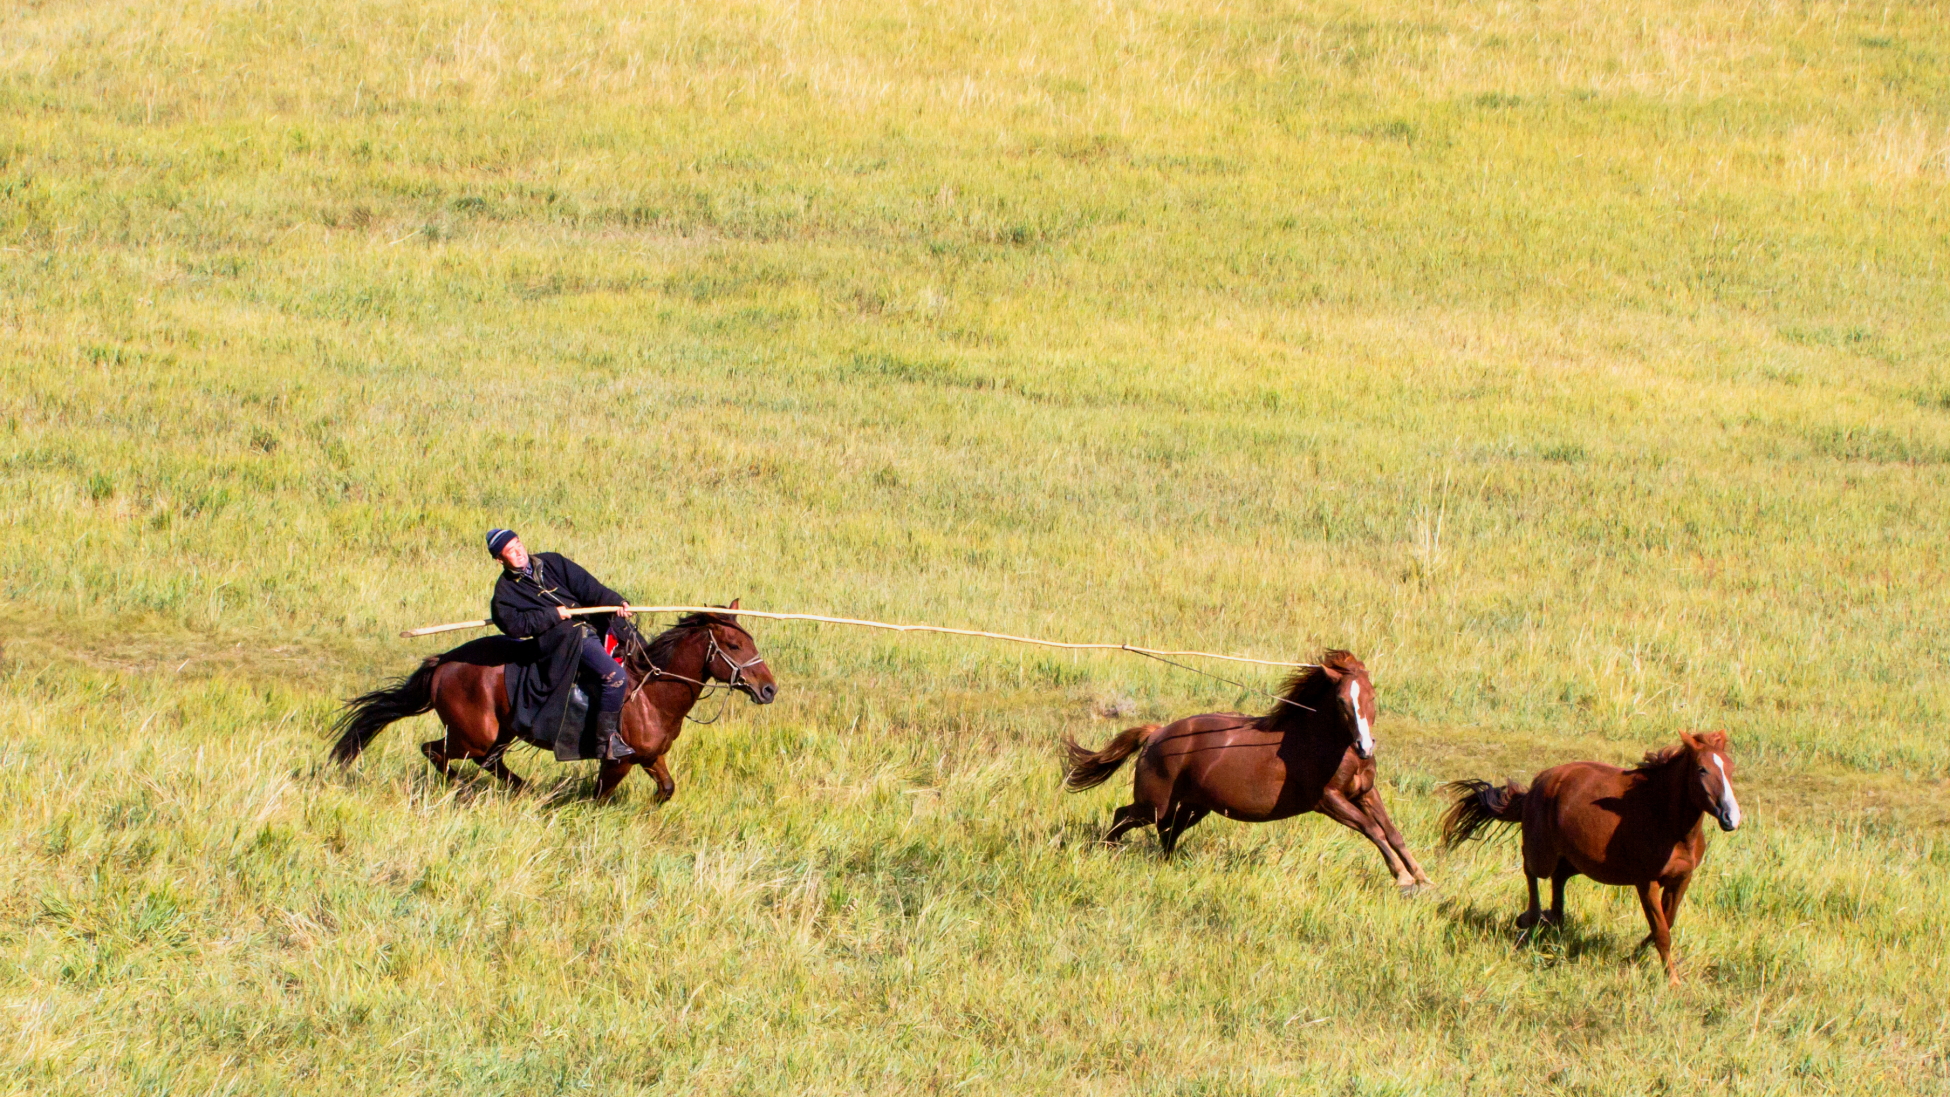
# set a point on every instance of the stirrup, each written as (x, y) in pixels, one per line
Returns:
(611, 746)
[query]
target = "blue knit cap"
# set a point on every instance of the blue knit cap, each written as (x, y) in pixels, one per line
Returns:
(498, 539)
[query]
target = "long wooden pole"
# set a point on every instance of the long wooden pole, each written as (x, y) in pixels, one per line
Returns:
(431, 629)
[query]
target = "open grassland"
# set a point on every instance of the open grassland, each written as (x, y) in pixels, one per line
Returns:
(1584, 367)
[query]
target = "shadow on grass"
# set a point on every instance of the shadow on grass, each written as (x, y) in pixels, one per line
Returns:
(575, 787)
(551, 785)
(1086, 837)
(1213, 846)
(1552, 944)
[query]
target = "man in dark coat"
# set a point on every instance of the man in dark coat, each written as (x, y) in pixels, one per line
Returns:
(534, 597)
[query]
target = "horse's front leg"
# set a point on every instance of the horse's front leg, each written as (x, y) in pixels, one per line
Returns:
(1339, 808)
(1371, 804)
(1655, 916)
(612, 774)
(1675, 890)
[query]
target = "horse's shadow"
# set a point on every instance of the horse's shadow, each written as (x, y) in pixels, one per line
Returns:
(1571, 939)
(466, 786)
(1087, 835)
(577, 791)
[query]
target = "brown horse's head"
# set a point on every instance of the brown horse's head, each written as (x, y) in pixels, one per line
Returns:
(1353, 697)
(724, 650)
(1711, 784)
(1339, 685)
(735, 661)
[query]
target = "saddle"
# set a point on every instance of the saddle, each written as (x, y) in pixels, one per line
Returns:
(576, 740)
(527, 670)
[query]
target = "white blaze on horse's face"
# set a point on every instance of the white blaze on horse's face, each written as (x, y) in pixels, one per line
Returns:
(1729, 807)
(1363, 737)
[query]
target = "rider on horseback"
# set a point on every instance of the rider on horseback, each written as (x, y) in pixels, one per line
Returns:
(533, 598)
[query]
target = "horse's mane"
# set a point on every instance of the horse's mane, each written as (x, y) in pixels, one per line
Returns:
(661, 650)
(1296, 688)
(1665, 756)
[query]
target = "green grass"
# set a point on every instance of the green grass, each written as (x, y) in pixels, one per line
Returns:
(1582, 367)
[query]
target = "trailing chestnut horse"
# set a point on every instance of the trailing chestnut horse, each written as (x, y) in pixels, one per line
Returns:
(666, 677)
(1313, 752)
(1640, 827)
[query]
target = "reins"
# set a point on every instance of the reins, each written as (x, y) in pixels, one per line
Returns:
(706, 687)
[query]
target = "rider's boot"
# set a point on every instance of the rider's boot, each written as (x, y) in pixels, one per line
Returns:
(609, 733)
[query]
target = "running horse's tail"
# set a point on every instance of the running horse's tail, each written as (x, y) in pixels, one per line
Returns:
(367, 715)
(1088, 768)
(1479, 804)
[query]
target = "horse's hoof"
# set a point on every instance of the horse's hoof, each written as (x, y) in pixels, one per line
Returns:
(1528, 919)
(1413, 888)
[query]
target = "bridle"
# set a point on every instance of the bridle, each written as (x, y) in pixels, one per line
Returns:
(705, 688)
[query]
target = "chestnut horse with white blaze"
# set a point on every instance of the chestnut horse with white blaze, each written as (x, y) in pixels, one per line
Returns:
(1313, 752)
(1641, 827)
(666, 678)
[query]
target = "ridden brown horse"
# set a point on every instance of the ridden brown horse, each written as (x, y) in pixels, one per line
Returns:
(1640, 827)
(666, 677)
(1313, 752)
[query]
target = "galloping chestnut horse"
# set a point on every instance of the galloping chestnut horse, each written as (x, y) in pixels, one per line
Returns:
(1313, 752)
(1639, 827)
(666, 677)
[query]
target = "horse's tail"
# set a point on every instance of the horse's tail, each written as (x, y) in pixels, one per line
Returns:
(1479, 804)
(367, 715)
(1088, 768)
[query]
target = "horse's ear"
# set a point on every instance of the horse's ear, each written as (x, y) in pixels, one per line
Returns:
(1715, 739)
(1691, 740)
(1334, 674)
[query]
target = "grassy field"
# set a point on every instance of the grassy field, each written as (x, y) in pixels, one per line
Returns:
(1583, 367)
